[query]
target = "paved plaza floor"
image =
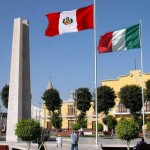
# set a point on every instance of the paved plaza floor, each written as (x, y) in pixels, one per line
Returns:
(85, 143)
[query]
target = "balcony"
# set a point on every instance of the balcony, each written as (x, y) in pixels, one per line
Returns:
(121, 110)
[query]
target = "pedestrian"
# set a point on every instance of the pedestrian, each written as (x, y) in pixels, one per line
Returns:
(74, 140)
(112, 132)
(81, 131)
(140, 145)
(59, 140)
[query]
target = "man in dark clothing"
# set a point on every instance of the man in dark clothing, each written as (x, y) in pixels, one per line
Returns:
(140, 145)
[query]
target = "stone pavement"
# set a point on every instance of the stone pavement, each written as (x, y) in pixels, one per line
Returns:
(85, 143)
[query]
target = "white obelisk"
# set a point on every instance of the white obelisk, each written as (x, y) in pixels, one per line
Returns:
(19, 102)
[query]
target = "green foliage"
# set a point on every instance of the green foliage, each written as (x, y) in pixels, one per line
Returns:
(83, 99)
(127, 130)
(147, 91)
(52, 99)
(4, 95)
(28, 130)
(56, 120)
(82, 120)
(99, 127)
(76, 126)
(139, 122)
(105, 99)
(110, 121)
(131, 97)
(105, 120)
(148, 125)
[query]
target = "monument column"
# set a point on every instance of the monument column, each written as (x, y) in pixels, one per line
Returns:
(19, 102)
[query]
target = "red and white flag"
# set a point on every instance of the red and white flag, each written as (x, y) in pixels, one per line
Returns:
(70, 21)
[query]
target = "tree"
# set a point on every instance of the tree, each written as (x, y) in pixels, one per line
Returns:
(105, 99)
(28, 130)
(56, 120)
(131, 97)
(99, 127)
(4, 95)
(148, 125)
(83, 99)
(147, 91)
(82, 120)
(110, 121)
(52, 99)
(75, 126)
(127, 130)
(83, 103)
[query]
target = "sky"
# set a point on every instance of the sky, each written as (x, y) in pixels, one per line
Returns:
(68, 59)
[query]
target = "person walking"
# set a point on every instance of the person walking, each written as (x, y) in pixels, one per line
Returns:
(74, 140)
(59, 140)
(77, 139)
(140, 145)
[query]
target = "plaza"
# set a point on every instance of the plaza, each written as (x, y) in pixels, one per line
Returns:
(85, 143)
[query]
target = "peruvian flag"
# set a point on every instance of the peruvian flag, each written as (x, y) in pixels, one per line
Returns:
(120, 40)
(70, 21)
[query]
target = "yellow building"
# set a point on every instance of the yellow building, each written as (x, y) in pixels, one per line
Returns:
(69, 112)
(134, 77)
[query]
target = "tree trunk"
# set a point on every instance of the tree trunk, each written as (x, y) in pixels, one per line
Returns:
(128, 145)
(28, 145)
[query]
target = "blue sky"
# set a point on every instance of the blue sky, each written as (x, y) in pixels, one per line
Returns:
(69, 58)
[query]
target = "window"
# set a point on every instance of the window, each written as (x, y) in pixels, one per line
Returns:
(4, 128)
(121, 108)
(71, 110)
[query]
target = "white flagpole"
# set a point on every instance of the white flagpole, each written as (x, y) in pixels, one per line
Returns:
(140, 31)
(95, 49)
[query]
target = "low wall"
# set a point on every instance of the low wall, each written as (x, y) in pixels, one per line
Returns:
(4, 147)
(144, 147)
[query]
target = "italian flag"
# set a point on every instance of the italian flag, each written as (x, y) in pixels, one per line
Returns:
(70, 21)
(120, 40)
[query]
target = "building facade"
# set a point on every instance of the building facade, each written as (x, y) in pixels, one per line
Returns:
(37, 114)
(69, 112)
(133, 78)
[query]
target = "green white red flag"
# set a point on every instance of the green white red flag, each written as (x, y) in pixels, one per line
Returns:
(70, 21)
(120, 40)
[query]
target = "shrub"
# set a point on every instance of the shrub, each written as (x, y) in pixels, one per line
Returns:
(127, 130)
(76, 126)
(148, 125)
(28, 130)
(99, 126)
(110, 121)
